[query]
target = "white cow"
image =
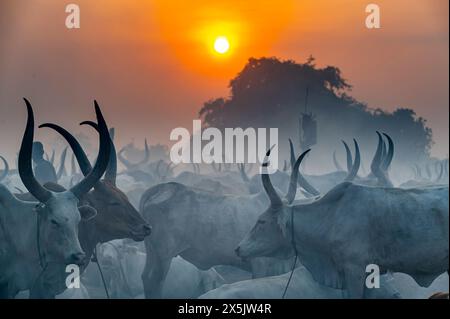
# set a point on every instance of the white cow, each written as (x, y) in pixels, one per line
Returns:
(202, 227)
(34, 235)
(354, 226)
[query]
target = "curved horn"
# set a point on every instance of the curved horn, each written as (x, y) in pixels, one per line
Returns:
(349, 157)
(355, 168)
(376, 161)
(275, 200)
(62, 163)
(52, 159)
(111, 171)
(6, 170)
(292, 154)
(303, 183)
(294, 177)
(390, 154)
(102, 160)
(336, 163)
(73, 167)
(130, 165)
(25, 166)
(77, 150)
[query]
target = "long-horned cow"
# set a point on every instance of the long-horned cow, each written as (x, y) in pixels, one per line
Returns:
(202, 227)
(36, 234)
(116, 217)
(353, 226)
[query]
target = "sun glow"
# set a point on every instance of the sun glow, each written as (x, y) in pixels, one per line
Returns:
(221, 45)
(191, 30)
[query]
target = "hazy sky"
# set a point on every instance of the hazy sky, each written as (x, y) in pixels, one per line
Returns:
(150, 64)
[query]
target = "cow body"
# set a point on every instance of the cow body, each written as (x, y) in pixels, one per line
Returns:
(20, 261)
(200, 226)
(354, 226)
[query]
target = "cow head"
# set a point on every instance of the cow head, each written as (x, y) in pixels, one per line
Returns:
(58, 229)
(268, 238)
(116, 217)
(58, 213)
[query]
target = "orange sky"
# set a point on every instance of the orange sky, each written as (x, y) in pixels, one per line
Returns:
(151, 65)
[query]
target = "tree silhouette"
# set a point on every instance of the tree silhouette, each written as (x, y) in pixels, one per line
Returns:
(271, 93)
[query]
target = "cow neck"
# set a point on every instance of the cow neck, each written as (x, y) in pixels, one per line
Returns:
(304, 217)
(294, 247)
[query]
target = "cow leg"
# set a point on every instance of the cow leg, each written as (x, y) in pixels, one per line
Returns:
(355, 282)
(154, 274)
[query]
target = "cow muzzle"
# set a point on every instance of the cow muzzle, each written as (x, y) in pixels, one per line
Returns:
(78, 259)
(143, 232)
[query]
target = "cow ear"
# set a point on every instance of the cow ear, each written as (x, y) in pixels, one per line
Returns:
(87, 212)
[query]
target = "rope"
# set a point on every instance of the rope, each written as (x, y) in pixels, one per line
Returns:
(296, 253)
(38, 241)
(101, 273)
(42, 261)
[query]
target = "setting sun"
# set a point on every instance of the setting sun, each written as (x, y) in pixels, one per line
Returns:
(221, 45)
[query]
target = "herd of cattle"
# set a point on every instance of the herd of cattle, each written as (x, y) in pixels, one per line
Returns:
(214, 231)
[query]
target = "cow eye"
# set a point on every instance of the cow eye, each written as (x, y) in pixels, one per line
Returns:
(54, 222)
(114, 204)
(261, 222)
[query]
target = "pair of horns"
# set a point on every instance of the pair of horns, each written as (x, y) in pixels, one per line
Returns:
(352, 167)
(130, 165)
(80, 155)
(25, 165)
(350, 163)
(383, 155)
(275, 199)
